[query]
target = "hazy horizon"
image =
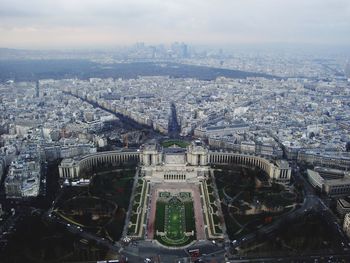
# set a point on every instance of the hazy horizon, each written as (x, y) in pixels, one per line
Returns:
(47, 24)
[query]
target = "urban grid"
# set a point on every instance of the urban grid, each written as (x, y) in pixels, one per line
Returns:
(175, 152)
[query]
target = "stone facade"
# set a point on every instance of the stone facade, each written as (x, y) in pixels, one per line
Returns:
(175, 164)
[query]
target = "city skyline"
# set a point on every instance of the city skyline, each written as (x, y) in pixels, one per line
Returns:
(38, 24)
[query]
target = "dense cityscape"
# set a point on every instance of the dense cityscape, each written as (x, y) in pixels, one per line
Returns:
(174, 131)
(287, 134)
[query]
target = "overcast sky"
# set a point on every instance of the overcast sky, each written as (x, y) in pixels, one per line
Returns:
(105, 23)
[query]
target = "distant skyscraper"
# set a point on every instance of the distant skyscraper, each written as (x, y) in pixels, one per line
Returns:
(184, 50)
(347, 70)
(180, 49)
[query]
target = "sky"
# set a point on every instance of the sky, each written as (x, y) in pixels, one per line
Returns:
(52, 24)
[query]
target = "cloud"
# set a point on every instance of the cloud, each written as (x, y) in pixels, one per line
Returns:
(78, 22)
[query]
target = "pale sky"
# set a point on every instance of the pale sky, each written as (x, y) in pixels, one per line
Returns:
(108, 23)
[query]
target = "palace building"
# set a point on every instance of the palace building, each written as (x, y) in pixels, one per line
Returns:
(175, 182)
(175, 164)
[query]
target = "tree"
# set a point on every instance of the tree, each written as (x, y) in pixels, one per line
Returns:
(311, 135)
(348, 147)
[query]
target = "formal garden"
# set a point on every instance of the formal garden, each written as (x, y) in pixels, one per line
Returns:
(101, 206)
(249, 199)
(136, 215)
(175, 221)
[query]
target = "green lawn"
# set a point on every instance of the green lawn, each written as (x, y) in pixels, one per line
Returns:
(189, 212)
(175, 221)
(160, 215)
(175, 218)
